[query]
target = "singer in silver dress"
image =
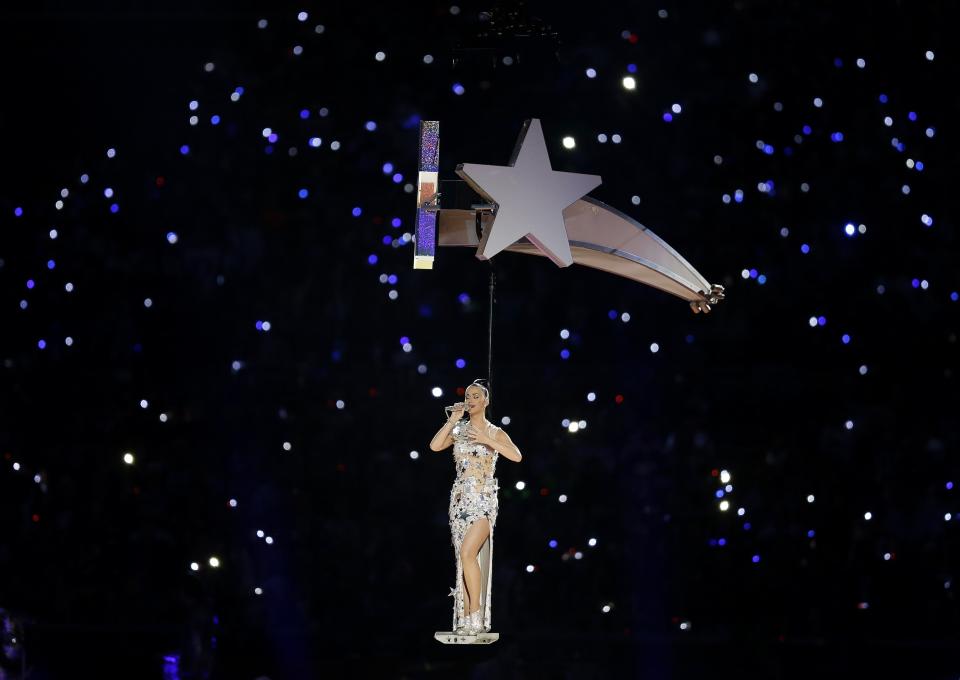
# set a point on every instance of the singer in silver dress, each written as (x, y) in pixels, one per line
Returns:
(477, 443)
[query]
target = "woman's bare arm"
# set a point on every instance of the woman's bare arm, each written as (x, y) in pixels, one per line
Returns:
(442, 438)
(506, 447)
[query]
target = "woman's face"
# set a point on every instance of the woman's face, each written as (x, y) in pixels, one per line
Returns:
(475, 400)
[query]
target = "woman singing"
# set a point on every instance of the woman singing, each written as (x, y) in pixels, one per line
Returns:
(473, 504)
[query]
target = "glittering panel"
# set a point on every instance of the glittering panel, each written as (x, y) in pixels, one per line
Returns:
(427, 181)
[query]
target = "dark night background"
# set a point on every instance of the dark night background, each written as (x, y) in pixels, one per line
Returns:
(95, 577)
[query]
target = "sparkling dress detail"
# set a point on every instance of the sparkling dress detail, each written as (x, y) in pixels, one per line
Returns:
(473, 497)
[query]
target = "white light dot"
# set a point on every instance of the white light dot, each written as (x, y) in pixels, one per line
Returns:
(724, 476)
(214, 562)
(753, 78)
(268, 540)
(615, 138)
(414, 455)
(380, 56)
(258, 591)
(340, 404)
(888, 121)
(163, 417)
(287, 446)
(676, 108)
(148, 303)
(297, 50)
(260, 533)
(564, 333)
(393, 295)
(591, 73)
(233, 502)
(848, 424)
(569, 142)
(194, 566)
(505, 420)
(741, 512)
(886, 556)
(144, 403)
(334, 145)
(724, 506)
(605, 609)
(128, 458)
(591, 396)
(578, 555)
(266, 326)
(654, 347)
(817, 102)
(625, 317)
(592, 542)
(37, 478)
(948, 517)
(407, 347)
(428, 59)
(861, 63)
(437, 392)
(53, 234)
(813, 322)
(530, 568)
(602, 138)
(868, 516)
(521, 486)
(811, 498)
(629, 83)
(863, 369)
(16, 466)
(562, 498)
(574, 426)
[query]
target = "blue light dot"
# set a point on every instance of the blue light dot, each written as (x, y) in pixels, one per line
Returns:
(821, 321)
(304, 114)
(392, 279)
(954, 296)
(273, 138)
(387, 168)
(372, 259)
(612, 314)
(259, 325)
(768, 149)
(461, 363)
(811, 533)
(719, 493)
(804, 248)
(18, 212)
(747, 526)
(315, 142)
(268, 149)
(836, 137)
(370, 126)
(689, 339)
(912, 115)
(807, 130)
(397, 178)
(387, 240)
(30, 284)
(395, 222)
(463, 298)
(553, 543)
(632, 68)
(838, 62)
(303, 193)
(754, 273)
(762, 279)
(845, 339)
(404, 340)
(185, 149)
(949, 486)
(114, 208)
(722, 542)
(458, 89)
(667, 117)
(756, 558)
(564, 354)
(214, 120)
(51, 264)
(356, 211)
(42, 344)
(915, 283)
(712, 542)
(850, 230)
(883, 99)
(239, 89)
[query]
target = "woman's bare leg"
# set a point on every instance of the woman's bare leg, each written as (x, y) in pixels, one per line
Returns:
(472, 540)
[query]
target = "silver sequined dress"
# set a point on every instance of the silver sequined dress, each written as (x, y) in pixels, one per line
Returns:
(473, 497)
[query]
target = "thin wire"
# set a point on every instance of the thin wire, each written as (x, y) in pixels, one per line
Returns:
(493, 283)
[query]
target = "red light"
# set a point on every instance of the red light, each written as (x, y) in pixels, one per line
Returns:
(461, 391)
(161, 180)
(618, 398)
(544, 491)
(714, 472)
(36, 518)
(633, 38)
(372, 391)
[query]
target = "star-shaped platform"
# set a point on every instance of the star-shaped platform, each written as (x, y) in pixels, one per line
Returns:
(530, 197)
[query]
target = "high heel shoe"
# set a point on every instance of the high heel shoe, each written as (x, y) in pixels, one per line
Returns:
(474, 623)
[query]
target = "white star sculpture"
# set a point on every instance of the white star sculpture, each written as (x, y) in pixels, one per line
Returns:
(530, 198)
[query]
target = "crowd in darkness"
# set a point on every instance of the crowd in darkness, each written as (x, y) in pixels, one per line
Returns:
(229, 325)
